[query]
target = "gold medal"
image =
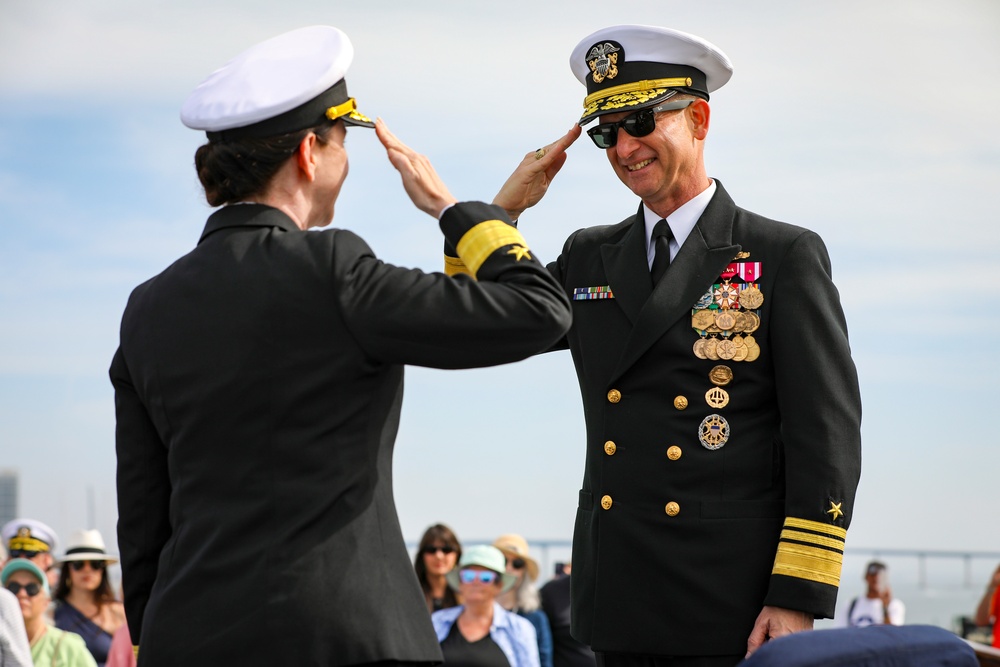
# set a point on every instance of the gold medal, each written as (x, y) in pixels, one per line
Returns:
(725, 349)
(741, 352)
(699, 348)
(753, 322)
(710, 349)
(741, 322)
(721, 375)
(702, 319)
(753, 353)
(725, 319)
(713, 432)
(751, 298)
(717, 398)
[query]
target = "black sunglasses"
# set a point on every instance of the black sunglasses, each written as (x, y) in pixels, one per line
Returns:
(94, 564)
(24, 553)
(31, 589)
(638, 124)
(517, 563)
(430, 551)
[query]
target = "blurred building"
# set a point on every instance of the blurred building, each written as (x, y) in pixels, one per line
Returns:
(8, 495)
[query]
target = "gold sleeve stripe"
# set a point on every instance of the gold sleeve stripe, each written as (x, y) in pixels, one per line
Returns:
(135, 650)
(811, 538)
(676, 82)
(453, 266)
(811, 563)
(816, 527)
(484, 239)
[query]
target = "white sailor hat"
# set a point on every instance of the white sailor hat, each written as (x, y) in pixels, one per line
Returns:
(288, 83)
(27, 535)
(630, 67)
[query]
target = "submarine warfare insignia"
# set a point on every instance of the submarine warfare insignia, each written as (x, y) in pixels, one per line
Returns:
(603, 61)
(713, 432)
(728, 312)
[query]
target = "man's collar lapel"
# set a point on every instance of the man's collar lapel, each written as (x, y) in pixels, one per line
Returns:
(627, 268)
(704, 256)
(247, 215)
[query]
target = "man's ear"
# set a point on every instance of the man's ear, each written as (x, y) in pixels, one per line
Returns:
(701, 113)
(306, 158)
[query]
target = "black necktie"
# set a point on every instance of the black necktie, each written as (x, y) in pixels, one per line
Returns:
(661, 242)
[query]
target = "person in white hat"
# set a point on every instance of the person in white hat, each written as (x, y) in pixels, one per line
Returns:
(34, 540)
(85, 603)
(258, 380)
(723, 410)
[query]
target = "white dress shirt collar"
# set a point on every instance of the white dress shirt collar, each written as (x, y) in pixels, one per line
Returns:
(681, 221)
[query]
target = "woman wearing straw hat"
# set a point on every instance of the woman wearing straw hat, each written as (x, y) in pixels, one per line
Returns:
(523, 598)
(50, 647)
(479, 632)
(86, 604)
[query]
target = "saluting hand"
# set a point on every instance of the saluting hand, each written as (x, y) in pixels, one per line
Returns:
(425, 188)
(530, 180)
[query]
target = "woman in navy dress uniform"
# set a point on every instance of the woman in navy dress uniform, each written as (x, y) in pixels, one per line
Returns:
(259, 379)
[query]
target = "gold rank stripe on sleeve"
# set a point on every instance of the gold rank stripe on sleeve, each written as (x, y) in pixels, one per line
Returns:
(454, 266)
(483, 240)
(810, 550)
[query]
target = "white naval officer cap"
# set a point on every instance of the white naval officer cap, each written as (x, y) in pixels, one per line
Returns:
(28, 535)
(285, 84)
(631, 67)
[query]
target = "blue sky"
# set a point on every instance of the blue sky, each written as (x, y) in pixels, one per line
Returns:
(874, 124)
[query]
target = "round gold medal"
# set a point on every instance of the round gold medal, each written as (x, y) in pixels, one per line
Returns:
(741, 322)
(753, 322)
(721, 375)
(741, 352)
(753, 353)
(699, 348)
(717, 398)
(725, 349)
(749, 341)
(710, 349)
(751, 298)
(725, 320)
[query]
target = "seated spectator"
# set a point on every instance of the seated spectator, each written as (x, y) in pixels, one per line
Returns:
(438, 552)
(523, 598)
(479, 632)
(878, 606)
(566, 651)
(986, 612)
(50, 647)
(85, 603)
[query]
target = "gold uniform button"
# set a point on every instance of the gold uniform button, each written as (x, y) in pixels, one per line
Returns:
(610, 448)
(672, 508)
(681, 402)
(606, 502)
(614, 396)
(673, 452)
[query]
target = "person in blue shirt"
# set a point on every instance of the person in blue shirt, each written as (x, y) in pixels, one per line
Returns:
(479, 632)
(523, 598)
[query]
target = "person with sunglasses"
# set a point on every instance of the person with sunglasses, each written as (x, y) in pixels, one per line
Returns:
(85, 603)
(722, 405)
(437, 554)
(523, 598)
(479, 632)
(34, 540)
(50, 646)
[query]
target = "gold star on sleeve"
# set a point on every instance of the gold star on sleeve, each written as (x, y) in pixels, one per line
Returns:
(519, 251)
(835, 512)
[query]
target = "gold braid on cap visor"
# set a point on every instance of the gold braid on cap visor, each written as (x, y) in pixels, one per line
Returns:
(349, 109)
(630, 94)
(27, 543)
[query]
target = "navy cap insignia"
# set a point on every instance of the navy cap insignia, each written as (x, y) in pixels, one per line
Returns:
(603, 60)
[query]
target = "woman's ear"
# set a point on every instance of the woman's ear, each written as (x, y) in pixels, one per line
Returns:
(306, 157)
